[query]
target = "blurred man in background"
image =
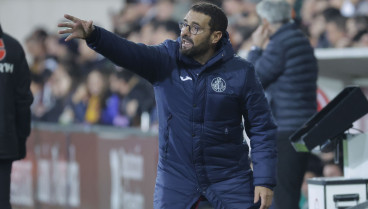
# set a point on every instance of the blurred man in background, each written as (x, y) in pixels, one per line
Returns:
(15, 114)
(288, 71)
(202, 97)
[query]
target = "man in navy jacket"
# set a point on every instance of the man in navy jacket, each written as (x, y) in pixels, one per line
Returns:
(15, 114)
(288, 72)
(203, 91)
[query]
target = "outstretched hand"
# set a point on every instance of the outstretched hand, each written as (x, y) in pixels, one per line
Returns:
(77, 28)
(265, 194)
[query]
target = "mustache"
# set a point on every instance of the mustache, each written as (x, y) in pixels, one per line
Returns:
(187, 39)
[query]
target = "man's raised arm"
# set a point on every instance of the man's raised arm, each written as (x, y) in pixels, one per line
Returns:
(147, 61)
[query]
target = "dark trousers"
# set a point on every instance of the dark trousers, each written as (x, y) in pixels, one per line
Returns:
(5, 170)
(291, 167)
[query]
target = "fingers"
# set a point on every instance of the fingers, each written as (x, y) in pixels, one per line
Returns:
(266, 201)
(259, 30)
(263, 29)
(71, 18)
(77, 28)
(70, 37)
(263, 194)
(69, 26)
(65, 31)
(66, 25)
(266, 24)
(256, 196)
(265, 32)
(263, 202)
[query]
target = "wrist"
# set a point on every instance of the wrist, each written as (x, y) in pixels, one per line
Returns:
(91, 29)
(270, 187)
(92, 36)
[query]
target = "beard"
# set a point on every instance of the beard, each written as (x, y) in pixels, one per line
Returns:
(195, 51)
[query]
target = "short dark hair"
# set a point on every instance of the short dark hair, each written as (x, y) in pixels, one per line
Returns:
(339, 21)
(331, 13)
(218, 20)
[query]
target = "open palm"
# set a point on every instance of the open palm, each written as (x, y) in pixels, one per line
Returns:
(77, 28)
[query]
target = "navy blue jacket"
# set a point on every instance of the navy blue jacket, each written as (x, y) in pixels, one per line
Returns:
(15, 99)
(200, 109)
(288, 72)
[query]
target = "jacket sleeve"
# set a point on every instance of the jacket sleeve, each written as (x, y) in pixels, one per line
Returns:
(268, 63)
(23, 101)
(146, 61)
(261, 130)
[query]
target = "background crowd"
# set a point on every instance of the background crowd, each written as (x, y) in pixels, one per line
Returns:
(73, 84)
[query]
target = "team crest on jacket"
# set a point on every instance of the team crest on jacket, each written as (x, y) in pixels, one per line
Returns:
(218, 84)
(2, 49)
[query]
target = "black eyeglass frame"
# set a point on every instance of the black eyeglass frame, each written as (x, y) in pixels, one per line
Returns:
(193, 29)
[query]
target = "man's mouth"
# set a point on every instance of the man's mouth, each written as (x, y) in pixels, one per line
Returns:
(186, 44)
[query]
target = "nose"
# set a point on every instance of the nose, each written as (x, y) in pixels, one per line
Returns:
(185, 31)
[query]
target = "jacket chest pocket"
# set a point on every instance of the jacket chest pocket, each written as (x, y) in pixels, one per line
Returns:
(222, 99)
(224, 134)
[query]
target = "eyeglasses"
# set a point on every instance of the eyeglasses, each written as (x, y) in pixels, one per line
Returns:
(193, 29)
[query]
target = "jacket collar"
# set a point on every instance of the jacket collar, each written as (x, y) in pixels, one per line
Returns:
(283, 28)
(225, 52)
(1, 32)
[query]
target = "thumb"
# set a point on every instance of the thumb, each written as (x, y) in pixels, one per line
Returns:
(256, 196)
(90, 23)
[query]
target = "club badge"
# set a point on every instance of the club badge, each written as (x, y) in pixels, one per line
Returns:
(218, 84)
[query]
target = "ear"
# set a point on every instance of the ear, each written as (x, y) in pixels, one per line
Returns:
(216, 36)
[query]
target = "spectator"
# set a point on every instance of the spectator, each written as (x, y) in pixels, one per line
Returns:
(79, 102)
(129, 16)
(89, 60)
(165, 30)
(361, 39)
(97, 87)
(135, 97)
(234, 9)
(146, 33)
(41, 68)
(330, 169)
(314, 169)
(162, 11)
(356, 25)
(15, 114)
(60, 85)
(310, 9)
(288, 71)
(336, 32)
(317, 32)
(36, 47)
(67, 51)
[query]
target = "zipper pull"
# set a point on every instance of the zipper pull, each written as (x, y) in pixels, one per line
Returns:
(226, 131)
